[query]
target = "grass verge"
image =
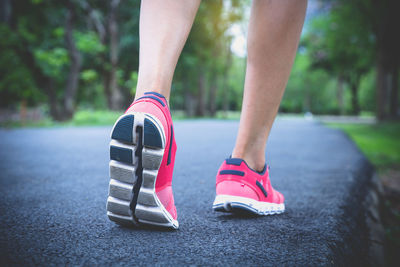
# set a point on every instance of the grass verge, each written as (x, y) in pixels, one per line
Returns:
(86, 117)
(81, 118)
(381, 145)
(379, 142)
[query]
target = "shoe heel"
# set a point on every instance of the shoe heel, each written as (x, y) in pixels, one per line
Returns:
(136, 152)
(123, 168)
(149, 209)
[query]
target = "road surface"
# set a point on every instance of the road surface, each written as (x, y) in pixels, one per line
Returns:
(54, 182)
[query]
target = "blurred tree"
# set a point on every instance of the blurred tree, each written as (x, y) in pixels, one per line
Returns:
(349, 37)
(75, 63)
(47, 49)
(309, 89)
(128, 63)
(37, 27)
(103, 18)
(206, 57)
(17, 82)
(69, 52)
(97, 22)
(19, 75)
(340, 42)
(116, 96)
(386, 28)
(53, 54)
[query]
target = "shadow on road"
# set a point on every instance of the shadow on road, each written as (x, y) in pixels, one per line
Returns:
(141, 228)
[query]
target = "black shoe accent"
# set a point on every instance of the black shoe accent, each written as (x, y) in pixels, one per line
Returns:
(152, 136)
(234, 161)
(233, 172)
(123, 129)
(139, 169)
(121, 154)
(262, 188)
(170, 146)
(238, 161)
(152, 97)
(155, 93)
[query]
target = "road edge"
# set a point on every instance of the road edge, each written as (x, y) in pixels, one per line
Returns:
(373, 203)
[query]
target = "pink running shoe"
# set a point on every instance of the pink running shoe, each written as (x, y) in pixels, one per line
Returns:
(240, 188)
(142, 153)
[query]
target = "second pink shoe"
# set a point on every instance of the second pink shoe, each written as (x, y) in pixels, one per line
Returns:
(240, 188)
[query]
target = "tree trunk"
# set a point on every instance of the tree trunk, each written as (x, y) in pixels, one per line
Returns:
(394, 97)
(106, 85)
(307, 101)
(388, 55)
(116, 95)
(225, 87)
(5, 11)
(201, 105)
(41, 80)
(381, 89)
(213, 94)
(23, 111)
(189, 104)
(340, 95)
(75, 58)
(52, 98)
(101, 30)
(354, 98)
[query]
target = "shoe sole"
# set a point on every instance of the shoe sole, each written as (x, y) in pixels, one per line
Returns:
(136, 151)
(227, 203)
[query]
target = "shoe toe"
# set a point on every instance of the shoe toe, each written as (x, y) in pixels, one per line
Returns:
(167, 200)
(281, 198)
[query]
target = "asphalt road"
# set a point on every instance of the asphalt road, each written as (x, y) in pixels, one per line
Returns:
(54, 182)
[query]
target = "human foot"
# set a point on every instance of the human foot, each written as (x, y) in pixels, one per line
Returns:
(240, 188)
(142, 157)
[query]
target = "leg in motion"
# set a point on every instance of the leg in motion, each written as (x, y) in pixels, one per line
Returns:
(274, 32)
(142, 147)
(164, 28)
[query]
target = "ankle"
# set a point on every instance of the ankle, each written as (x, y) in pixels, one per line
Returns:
(256, 161)
(153, 83)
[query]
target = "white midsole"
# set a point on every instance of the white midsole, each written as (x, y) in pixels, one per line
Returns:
(260, 207)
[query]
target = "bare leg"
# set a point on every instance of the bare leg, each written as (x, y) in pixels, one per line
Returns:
(274, 32)
(164, 28)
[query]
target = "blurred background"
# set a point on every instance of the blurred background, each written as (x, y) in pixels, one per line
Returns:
(76, 63)
(63, 57)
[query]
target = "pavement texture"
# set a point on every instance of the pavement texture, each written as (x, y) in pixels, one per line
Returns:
(54, 182)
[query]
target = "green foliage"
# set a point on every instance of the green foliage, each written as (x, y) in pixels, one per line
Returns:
(338, 50)
(24, 30)
(309, 89)
(131, 83)
(52, 61)
(234, 86)
(367, 91)
(16, 81)
(83, 117)
(338, 43)
(89, 75)
(91, 93)
(206, 59)
(94, 117)
(88, 42)
(378, 142)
